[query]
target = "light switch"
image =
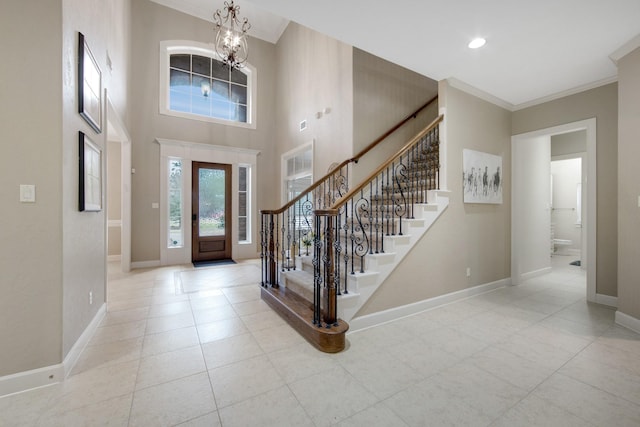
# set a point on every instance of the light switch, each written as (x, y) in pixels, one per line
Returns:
(27, 193)
(155, 205)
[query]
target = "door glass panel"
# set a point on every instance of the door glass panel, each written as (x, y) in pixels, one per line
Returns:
(211, 204)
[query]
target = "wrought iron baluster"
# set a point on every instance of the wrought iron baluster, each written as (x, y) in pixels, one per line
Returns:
(263, 263)
(345, 227)
(273, 265)
(352, 237)
(317, 270)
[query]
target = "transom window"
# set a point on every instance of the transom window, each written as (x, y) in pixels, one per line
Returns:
(202, 85)
(194, 84)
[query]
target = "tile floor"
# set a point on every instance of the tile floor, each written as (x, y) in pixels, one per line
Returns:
(531, 355)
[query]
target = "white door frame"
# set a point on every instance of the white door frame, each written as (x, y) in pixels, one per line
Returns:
(590, 219)
(117, 132)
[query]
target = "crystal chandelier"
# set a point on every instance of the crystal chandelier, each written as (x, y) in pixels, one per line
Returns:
(231, 40)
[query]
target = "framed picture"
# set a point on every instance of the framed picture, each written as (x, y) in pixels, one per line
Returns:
(482, 177)
(89, 86)
(90, 194)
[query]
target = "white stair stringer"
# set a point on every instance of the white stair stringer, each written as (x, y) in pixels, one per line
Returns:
(361, 286)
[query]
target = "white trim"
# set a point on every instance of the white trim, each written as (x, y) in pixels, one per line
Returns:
(478, 93)
(443, 148)
(590, 219)
(201, 146)
(375, 319)
(627, 321)
(192, 47)
(535, 273)
(81, 343)
(48, 375)
(114, 223)
(114, 258)
(122, 136)
(485, 96)
(145, 264)
(27, 380)
(284, 176)
(607, 300)
(625, 49)
(565, 93)
(194, 151)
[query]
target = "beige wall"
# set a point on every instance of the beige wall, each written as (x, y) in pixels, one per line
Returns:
(314, 73)
(383, 94)
(153, 24)
(601, 103)
(84, 233)
(475, 236)
(31, 135)
(569, 143)
(47, 308)
(629, 184)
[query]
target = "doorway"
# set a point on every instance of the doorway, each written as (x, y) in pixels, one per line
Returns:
(567, 196)
(119, 189)
(531, 205)
(211, 211)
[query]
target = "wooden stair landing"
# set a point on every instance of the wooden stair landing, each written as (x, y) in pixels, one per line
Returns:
(298, 312)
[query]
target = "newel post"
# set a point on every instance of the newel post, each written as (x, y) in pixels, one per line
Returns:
(270, 248)
(325, 286)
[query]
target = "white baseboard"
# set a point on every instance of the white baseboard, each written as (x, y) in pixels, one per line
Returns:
(112, 258)
(607, 300)
(374, 319)
(627, 321)
(74, 354)
(535, 273)
(48, 375)
(35, 378)
(145, 264)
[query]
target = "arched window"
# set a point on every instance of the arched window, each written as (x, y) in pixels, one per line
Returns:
(194, 84)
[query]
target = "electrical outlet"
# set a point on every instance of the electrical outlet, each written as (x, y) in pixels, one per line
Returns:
(90, 297)
(468, 271)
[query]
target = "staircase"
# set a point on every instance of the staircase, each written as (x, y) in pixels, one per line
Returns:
(362, 285)
(326, 252)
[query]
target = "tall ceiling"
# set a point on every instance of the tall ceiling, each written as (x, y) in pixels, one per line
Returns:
(535, 50)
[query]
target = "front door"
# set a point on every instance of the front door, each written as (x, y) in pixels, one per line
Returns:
(211, 212)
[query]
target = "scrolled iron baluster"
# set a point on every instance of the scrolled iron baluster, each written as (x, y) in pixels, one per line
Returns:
(341, 186)
(346, 257)
(400, 201)
(361, 241)
(307, 216)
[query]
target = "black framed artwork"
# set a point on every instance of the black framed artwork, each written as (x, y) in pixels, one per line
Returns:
(89, 86)
(90, 177)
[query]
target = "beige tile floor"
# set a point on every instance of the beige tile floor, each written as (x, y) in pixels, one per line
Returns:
(531, 355)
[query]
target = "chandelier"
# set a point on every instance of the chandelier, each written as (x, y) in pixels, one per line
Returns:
(231, 40)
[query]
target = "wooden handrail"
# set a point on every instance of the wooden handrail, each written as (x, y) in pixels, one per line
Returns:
(390, 131)
(351, 160)
(344, 199)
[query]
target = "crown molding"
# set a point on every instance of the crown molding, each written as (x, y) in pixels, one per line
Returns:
(478, 93)
(565, 93)
(210, 147)
(625, 49)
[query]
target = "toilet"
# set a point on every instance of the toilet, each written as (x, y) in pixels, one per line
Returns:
(560, 246)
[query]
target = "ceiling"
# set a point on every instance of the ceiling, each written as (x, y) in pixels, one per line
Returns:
(535, 51)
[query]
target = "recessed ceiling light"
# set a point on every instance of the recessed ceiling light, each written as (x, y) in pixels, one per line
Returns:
(476, 43)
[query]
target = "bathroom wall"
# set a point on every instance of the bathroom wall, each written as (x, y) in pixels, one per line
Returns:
(566, 218)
